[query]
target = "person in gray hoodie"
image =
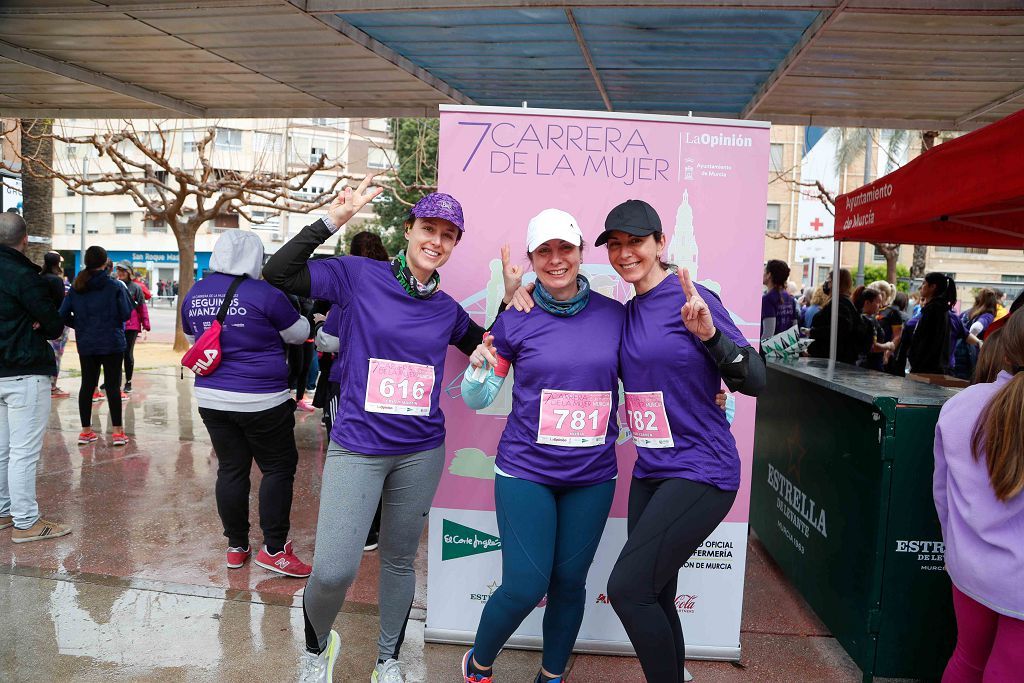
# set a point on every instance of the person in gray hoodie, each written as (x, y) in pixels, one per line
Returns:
(245, 403)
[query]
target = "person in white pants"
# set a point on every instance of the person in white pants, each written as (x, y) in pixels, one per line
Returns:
(28, 318)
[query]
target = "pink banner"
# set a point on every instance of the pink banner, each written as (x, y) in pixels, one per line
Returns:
(706, 179)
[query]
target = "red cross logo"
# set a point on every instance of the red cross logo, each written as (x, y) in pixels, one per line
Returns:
(816, 224)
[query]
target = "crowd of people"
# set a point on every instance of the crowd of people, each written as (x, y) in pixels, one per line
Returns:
(376, 329)
(881, 328)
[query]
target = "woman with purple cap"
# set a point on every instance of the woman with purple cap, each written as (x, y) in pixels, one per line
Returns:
(678, 345)
(389, 436)
(555, 467)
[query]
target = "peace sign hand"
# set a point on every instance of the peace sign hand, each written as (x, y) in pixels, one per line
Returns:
(348, 202)
(511, 273)
(695, 312)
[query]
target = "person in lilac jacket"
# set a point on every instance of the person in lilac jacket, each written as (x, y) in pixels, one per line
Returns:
(978, 484)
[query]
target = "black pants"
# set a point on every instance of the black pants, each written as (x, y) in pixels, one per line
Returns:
(129, 354)
(268, 437)
(668, 519)
(91, 365)
(300, 357)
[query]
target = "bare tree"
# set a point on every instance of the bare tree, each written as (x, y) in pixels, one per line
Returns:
(183, 198)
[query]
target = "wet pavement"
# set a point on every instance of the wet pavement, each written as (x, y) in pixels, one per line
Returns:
(139, 590)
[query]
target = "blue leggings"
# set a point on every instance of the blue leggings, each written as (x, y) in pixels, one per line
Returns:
(549, 535)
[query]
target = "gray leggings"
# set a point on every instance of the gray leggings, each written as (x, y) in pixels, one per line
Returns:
(352, 485)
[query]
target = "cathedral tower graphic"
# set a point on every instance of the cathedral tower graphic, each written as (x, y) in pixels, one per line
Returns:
(682, 248)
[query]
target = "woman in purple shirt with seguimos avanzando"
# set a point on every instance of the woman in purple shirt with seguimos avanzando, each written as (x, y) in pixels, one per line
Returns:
(245, 403)
(396, 325)
(678, 345)
(978, 487)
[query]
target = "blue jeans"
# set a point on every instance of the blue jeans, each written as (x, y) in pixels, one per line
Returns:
(549, 535)
(24, 411)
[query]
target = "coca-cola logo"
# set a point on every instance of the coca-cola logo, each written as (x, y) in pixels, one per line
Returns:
(685, 603)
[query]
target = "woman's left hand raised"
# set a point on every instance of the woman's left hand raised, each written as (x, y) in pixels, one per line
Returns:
(695, 312)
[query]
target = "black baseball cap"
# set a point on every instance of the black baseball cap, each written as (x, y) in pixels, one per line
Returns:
(632, 216)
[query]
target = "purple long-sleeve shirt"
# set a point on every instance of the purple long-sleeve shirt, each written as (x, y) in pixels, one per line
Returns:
(984, 537)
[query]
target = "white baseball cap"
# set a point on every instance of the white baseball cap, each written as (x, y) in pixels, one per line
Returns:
(551, 224)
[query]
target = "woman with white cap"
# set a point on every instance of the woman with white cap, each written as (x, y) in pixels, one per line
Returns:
(388, 439)
(245, 403)
(556, 465)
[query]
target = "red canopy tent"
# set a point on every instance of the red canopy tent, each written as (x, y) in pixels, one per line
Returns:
(966, 192)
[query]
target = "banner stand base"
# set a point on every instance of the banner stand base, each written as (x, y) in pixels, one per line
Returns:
(590, 647)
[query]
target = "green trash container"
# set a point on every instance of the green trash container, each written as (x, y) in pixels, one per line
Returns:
(841, 497)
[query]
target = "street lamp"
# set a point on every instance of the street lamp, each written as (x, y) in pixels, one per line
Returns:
(83, 151)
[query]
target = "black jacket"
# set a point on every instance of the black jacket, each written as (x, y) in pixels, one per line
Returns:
(854, 334)
(98, 315)
(25, 300)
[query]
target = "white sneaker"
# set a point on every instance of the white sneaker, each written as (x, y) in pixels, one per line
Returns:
(319, 668)
(388, 672)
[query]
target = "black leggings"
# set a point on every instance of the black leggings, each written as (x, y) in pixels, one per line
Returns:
(668, 520)
(129, 354)
(268, 438)
(111, 365)
(300, 357)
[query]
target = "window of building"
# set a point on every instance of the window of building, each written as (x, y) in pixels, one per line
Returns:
(70, 192)
(265, 220)
(191, 140)
(228, 140)
(1012, 279)
(775, 154)
(772, 218)
(315, 153)
(380, 158)
(377, 124)
(122, 223)
(879, 255)
(960, 250)
(70, 225)
(91, 230)
(224, 221)
(152, 224)
(266, 143)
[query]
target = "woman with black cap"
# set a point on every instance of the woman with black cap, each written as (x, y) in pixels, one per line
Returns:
(397, 325)
(678, 345)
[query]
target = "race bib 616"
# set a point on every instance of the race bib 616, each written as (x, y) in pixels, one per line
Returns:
(398, 388)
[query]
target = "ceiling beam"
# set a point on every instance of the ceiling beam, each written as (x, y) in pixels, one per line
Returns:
(986, 108)
(952, 7)
(381, 50)
(77, 73)
(588, 59)
(817, 27)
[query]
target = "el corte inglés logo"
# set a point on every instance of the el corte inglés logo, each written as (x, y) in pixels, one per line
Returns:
(462, 541)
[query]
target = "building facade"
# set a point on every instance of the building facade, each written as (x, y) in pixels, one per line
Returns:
(127, 232)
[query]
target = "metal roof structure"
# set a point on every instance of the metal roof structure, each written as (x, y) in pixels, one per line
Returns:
(924, 64)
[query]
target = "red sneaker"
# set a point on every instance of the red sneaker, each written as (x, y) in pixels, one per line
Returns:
(283, 562)
(238, 556)
(57, 392)
(97, 395)
(118, 438)
(305, 406)
(87, 436)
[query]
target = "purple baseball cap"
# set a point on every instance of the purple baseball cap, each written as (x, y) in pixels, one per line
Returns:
(440, 205)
